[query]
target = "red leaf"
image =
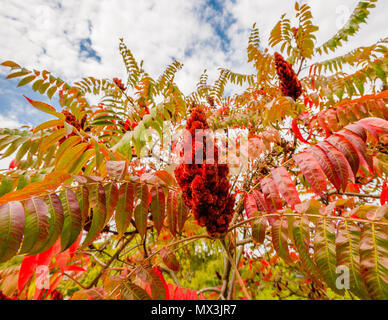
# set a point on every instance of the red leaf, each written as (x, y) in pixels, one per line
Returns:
(348, 150)
(374, 125)
(27, 269)
(297, 132)
(172, 206)
(326, 165)
(260, 201)
(339, 164)
(323, 124)
(357, 130)
(74, 268)
(157, 206)
(169, 259)
(271, 194)
(360, 147)
(250, 205)
(384, 194)
(312, 171)
(285, 185)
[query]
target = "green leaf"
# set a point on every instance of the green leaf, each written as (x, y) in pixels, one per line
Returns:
(141, 210)
(26, 80)
(373, 259)
(98, 201)
(124, 209)
(259, 228)
(12, 221)
(301, 239)
(158, 207)
(36, 227)
(55, 220)
(325, 252)
(130, 291)
(347, 244)
(72, 226)
(280, 238)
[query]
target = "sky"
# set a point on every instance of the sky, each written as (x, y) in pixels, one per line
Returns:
(77, 38)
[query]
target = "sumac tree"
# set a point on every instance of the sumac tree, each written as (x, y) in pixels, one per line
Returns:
(109, 201)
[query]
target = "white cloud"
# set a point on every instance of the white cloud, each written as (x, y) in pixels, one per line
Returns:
(47, 35)
(4, 163)
(10, 123)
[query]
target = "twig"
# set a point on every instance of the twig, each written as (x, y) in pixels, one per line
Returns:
(172, 275)
(230, 291)
(353, 194)
(215, 289)
(121, 248)
(76, 281)
(102, 264)
(240, 280)
(300, 67)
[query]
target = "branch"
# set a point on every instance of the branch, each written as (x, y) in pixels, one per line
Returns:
(232, 280)
(353, 194)
(240, 280)
(114, 257)
(172, 275)
(215, 289)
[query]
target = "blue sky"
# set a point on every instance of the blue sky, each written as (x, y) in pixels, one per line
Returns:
(76, 38)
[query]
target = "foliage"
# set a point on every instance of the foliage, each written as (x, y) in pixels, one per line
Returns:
(91, 204)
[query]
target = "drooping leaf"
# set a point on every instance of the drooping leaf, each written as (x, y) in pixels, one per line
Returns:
(259, 228)
(339, 164)
(72, 225)
(151, 277)
(36, 227)
(250, 205)
(141, 210)
(55, 220)
(311, 170)
(12, 221)
(271, 194)
(285, 185)
(325, 252)
(158, 207)
(99, 213)
(131, 291)
(116, 169)
(280, 238)
(260, 201)
(347, 253)
(172, 207)
(124, 209)
(347, 149)
(374, 259)
(301, 239)
(169, 259)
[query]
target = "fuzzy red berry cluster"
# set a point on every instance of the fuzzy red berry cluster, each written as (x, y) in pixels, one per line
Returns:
(289, 82)
(71, 119)
(119, 84)
(205, 185)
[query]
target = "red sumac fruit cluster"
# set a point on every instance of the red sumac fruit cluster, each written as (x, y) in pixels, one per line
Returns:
(289, 82)
(206, 189)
